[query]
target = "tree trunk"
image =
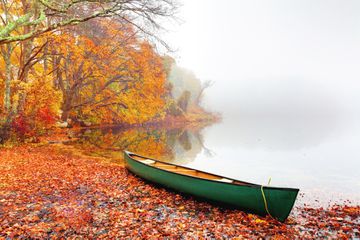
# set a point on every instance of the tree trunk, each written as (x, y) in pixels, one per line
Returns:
(66, 107)
(26, 53)
(26, 48)
(65, 115)
(5, 128)
(7, 95)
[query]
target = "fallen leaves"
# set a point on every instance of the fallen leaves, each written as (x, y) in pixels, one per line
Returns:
(45, 193)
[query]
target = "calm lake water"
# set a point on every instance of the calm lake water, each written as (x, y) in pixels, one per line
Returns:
(319, 156)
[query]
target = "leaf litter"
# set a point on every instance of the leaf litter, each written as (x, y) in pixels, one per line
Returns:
(47, 192)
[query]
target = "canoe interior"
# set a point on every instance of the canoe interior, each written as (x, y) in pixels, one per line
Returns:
(254, 198)
(185, 171)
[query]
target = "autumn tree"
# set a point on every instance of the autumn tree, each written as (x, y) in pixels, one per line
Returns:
(186, 90)
(108, 76)
(183, 101)
(49, 15)
(96, 76)
(205, 85)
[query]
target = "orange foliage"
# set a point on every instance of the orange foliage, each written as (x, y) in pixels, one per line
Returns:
(112, 79)
(100, 76)
(84, 197)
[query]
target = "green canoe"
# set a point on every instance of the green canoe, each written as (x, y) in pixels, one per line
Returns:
(261, 200)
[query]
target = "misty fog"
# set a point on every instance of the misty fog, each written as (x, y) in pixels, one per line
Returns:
(272, 57)
(287, 85)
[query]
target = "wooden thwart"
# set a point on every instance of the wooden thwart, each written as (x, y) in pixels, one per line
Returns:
(180, 170)
(183, 170)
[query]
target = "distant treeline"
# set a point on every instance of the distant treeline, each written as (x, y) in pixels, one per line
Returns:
(186, 89)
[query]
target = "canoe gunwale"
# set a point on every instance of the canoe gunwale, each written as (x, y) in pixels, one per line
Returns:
(244, 184)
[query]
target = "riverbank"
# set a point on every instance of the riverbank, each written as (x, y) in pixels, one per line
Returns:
(196, 116)
(14, 135)
(57, 191)
(109, 141)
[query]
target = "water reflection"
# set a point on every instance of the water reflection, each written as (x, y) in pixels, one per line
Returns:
(180, 145)
(318, 155)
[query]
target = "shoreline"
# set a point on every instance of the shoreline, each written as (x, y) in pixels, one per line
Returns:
(202, 119)
(58, 191)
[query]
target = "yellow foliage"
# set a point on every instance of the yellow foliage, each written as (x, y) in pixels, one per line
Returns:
(112, 77)
(119, 83)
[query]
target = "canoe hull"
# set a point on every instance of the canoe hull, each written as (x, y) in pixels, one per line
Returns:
(248, 198)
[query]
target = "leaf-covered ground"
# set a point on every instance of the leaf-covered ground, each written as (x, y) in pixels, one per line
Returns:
(49, 192)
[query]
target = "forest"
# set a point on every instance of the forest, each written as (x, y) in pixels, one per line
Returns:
(86, 63)
(86, 86)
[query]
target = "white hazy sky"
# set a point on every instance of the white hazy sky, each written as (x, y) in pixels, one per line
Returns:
(273, 56)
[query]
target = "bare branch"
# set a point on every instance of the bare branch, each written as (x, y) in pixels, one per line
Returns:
(142, 14)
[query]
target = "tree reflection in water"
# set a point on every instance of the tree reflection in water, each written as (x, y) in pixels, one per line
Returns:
(179, 145)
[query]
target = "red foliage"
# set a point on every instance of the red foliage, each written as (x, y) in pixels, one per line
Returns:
(46, 116)
(25, 126)
(20, 125)
(49, 193)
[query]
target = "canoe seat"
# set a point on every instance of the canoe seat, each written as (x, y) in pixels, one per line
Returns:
(224, 180)
(165, 166)
(147, 161)
(184, 171)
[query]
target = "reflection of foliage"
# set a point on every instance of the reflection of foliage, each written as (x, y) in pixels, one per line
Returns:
(208, 152)
(184, 140)
(154, 142)
(146, 142)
